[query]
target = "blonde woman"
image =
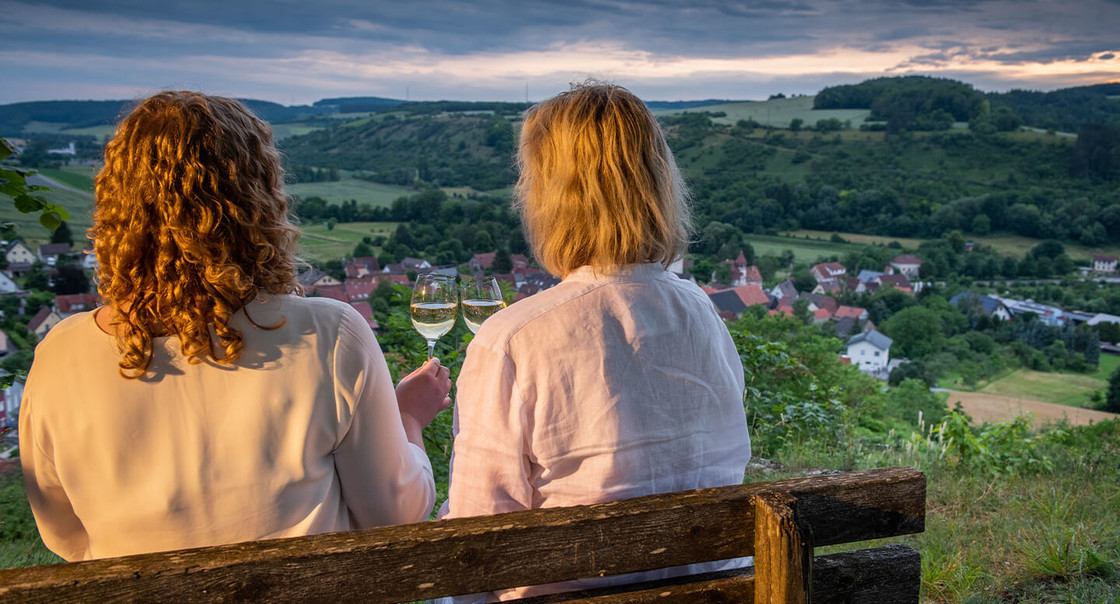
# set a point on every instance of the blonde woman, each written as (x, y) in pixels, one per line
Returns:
(206, 402)
(620, 381)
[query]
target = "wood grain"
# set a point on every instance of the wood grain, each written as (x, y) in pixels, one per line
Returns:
(471, 555)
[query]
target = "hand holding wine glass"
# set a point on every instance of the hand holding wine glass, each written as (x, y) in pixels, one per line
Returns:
(435, 304)
(481, 298)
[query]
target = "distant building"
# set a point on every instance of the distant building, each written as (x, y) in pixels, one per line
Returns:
(366, 311)
(870, 351)
(1104, 264)
(908, 264)
(43, 321)
(828, 272)
(313, 278)
(854, 312)
(987, 305)
(19, 253)
(50, 252)
(70, 304)
(730, 303)
(7, 286)
(361, 267)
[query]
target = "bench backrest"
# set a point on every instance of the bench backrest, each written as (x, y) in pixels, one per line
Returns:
(778, 522)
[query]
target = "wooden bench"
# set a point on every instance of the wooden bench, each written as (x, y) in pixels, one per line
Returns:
(779, 523)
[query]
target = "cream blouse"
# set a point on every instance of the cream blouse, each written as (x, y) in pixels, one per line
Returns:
(605, 387)
(302, 435)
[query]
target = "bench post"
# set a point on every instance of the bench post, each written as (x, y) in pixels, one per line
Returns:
(783, 557)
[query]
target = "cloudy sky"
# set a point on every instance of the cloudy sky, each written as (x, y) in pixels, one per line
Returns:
(299, 51)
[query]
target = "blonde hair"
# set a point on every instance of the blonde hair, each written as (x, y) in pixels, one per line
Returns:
(191, 224)
(598, 183)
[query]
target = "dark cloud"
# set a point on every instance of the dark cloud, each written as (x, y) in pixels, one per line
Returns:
(335, 47)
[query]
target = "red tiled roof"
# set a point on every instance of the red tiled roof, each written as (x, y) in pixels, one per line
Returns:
(337, 292)
(848, 311)
(752, 275)
(752, 295)
(906, 259)
(72, 303)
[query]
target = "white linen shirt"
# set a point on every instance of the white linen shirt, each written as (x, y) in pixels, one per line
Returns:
(302, 435)
(605, 387)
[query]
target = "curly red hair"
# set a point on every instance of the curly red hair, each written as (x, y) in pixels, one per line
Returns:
(191, 224)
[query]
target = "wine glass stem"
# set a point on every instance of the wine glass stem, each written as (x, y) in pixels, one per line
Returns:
(431, 348)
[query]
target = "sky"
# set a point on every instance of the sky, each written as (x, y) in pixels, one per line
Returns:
(299, 51)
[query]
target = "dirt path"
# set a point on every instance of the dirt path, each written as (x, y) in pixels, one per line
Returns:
(994, 408)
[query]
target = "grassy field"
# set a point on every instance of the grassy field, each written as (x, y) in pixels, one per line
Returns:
(856, 238)
(317, 242)
(779, 112)
(78, 203)
(75, 177)
(1071, 389)
(344, 190)
(804, 250)
(1015, 245)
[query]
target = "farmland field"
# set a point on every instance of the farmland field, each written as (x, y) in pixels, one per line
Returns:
(1015, 245)
(317, 242)
(344, 190)
(857, 238)
(1062, 388)
(75, 177)
(78, 203)
(804, 250)
(993, 408)
(779, 112)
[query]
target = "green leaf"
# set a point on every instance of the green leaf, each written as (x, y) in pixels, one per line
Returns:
(62, 212)
(26, 203)
(50, 220)
(6, 149)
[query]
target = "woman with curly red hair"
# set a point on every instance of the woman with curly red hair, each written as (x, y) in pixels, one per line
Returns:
(207, 402)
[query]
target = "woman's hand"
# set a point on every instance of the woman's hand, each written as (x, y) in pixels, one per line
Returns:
(421, 395)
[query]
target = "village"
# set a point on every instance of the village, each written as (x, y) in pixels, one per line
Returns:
(864, 346)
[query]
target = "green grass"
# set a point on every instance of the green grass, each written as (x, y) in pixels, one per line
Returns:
(1016, 245)
(1047, 536)
(1071, 389)
(1107, 364)
(282, 131)
(344, 190)
(27, 552)
(906, 242)
(804, 250)
(79, 204)
(75, 177)
(779, 112)
(317, 242)
(102, 131)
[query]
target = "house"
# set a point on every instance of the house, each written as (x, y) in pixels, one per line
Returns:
(7, 286)
(359, 289)
(740, 274)
(908, 264)
(1104, 264)
(1049, 315)
(361, 266)
(334, 291)
(9, 405)
(828, 272)
(5, 344)
(407, 264)
(69, 304)
(899, 282)
(730, 303)
(854, 312)
(828, 287)
(987, 305)
(43, 321)
(482, 262)
(870, 351)
(1103, 318)
(313, 278)
(50, 252)
(19, 253)
(784, 290)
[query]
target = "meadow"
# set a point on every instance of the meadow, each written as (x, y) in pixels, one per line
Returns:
(778, 113)
(320, 243)
(347, 188)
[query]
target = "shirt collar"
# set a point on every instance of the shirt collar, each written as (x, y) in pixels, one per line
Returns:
(627, 272)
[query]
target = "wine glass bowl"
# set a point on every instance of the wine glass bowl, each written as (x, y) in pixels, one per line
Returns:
(434, 306)
(481, 298)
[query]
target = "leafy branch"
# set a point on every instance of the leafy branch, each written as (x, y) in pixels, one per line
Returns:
(13, 183)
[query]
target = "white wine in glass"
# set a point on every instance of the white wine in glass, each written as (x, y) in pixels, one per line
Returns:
(481, 298)
(435, 304)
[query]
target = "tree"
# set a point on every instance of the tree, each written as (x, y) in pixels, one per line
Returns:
(502, 262)
(916, 331)
(62, 234)
(1112, 400)
(795, 124)
(363, 250)
(70, 279)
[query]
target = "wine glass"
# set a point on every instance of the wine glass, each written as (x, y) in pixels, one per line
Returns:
(481, 298)
(434, 306)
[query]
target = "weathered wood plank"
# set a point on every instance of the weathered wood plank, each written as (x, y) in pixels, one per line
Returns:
(889, 574)
(472, 555)
(783, 560)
